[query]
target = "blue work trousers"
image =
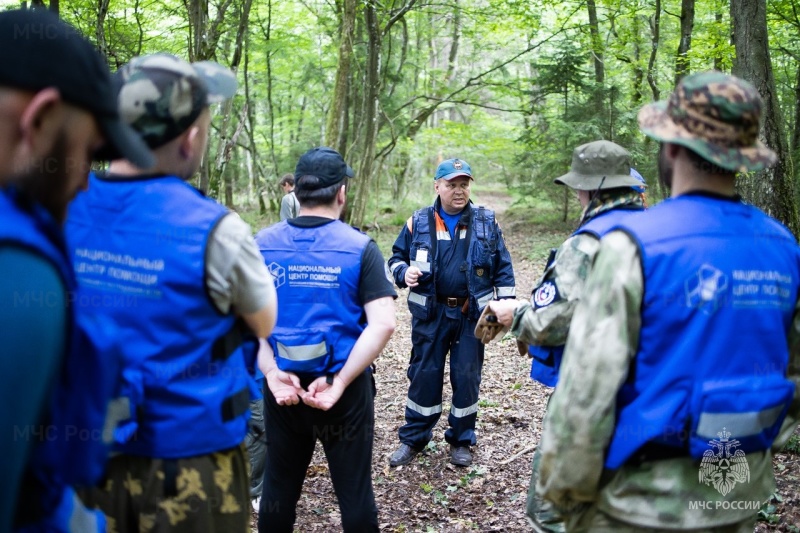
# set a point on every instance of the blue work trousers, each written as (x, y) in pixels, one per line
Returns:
(448, 331)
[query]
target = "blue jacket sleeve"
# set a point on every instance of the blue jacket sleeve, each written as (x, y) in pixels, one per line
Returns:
(503, 281)
(398, 263)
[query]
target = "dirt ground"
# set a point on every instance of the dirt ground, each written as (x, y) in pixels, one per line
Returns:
(430, 494)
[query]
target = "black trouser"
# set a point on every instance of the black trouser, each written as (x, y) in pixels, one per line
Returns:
(256, 447)
(346, 432)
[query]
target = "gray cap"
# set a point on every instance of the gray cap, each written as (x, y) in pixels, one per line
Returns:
(599, 165)
(161, 95)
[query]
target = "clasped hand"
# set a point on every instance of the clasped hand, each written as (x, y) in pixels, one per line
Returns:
(285, 386)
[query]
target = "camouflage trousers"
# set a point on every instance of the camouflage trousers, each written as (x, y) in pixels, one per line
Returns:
(541, 514)
(596, 521)
(203, 494)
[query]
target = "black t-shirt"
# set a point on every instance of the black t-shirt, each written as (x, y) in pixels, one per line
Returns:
(373, 282)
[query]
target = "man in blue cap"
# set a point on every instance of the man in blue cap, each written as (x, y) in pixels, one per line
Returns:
(337, 313)
(453, 259)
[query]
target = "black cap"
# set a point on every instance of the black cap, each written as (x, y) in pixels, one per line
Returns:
(42, 51)
(324, 163)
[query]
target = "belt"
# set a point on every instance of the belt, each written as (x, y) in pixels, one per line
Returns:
(451, 302)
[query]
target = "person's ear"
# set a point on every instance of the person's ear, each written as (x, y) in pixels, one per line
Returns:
(341, 196)
(40, 120)
(671, 150)
(189, 142)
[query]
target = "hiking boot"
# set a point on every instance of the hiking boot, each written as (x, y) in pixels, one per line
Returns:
(460, 455)
(403, 455)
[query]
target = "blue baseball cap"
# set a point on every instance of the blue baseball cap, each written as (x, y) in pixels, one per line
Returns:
(453, 168)
(638, 188)
(326, 164)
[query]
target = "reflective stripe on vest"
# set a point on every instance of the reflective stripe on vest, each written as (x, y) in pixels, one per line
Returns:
(721, 284)
(303, 352)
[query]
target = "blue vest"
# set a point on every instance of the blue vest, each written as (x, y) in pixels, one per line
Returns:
(72, 447)
(317, 272)
(480, 265)
(139, 249)
(720, 287)
(547, 359)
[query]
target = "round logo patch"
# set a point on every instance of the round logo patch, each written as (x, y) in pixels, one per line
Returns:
(545, 294)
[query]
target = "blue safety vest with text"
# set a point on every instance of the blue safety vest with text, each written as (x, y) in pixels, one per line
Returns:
(547, 359)
(139, 250)
(317, 272)
(720, 286)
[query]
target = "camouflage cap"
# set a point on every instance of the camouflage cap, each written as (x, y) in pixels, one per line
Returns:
(161, 95)
(599, 165)
(715, 115)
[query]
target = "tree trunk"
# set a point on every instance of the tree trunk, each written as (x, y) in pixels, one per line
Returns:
(772, 189)
(655, 30)
(336, 130)
(99, 30)
(372, 91)
(638, 71)
(452, 57)
(795, 143)
(597, 44)
(687, 24)
(718, 59)
(226, 145)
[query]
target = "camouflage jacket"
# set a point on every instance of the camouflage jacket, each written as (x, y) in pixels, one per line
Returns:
(579, 423)
(549, 325)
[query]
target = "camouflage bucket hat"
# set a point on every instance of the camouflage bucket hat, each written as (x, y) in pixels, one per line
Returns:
(715, 115)
(599, 165)
(161, 95)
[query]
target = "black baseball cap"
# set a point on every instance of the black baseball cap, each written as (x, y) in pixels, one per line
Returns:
(326, 164)
(42, 51)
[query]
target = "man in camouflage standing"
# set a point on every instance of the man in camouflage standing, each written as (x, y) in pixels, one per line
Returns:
(608, 193)
(670, 402)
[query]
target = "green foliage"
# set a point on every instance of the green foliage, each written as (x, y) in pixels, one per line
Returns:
(508, 85)
(793, 444)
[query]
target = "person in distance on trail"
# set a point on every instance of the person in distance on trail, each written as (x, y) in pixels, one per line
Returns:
(57, 109)
(609, 192)
(681, 372)
(453, 259)
(337, 314)
(289, 204)
(183, 281)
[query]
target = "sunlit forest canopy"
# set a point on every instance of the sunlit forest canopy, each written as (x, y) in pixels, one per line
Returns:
(511, 86)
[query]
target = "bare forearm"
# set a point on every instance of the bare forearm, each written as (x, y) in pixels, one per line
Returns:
(369, 345)
(380, 326)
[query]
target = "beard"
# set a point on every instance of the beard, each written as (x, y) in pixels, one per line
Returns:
(664, 168)
(48, 181)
